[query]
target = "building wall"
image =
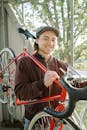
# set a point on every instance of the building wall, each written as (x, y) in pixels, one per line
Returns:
(15, 41)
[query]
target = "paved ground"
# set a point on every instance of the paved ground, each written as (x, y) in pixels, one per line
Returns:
(9, 129)
(11, 126)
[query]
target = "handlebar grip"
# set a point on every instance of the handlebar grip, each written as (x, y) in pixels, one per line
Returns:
(20, 30)
(61, 114)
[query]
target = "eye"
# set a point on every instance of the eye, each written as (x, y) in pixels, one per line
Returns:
(53, 40)
(45, 38)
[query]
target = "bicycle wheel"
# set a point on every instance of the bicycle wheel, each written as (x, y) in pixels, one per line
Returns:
(43, 121)
(7, 71)
(1, 86)
(8, 76)
(83, 119)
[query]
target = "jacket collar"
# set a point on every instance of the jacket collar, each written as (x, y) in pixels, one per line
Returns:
(38, 56)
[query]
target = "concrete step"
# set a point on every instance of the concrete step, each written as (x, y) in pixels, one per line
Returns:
(9, 129)
(7, 125)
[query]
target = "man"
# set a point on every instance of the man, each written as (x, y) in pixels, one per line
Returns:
(31, 82)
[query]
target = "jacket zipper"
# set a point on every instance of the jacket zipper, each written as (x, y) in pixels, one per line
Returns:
(49, 90)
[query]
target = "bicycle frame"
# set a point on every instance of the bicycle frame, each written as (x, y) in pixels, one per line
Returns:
(43, 68)
(60, 97)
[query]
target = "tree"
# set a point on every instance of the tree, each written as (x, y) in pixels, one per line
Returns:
(57, 13)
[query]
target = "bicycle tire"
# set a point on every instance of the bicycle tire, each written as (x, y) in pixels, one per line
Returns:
(1, 66)
(83, 119)
(68, 124)
(6, 56)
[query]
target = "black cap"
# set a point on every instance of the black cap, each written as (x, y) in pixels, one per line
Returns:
(40, 30)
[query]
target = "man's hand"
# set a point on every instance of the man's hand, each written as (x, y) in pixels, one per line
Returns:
(49, 77)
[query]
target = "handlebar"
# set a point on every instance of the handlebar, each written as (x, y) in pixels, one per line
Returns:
(26, 33)
(75, 94)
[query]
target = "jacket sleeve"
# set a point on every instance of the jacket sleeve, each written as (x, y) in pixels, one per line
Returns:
(27, 84)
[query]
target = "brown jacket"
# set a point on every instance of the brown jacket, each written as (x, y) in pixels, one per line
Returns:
(29, 82)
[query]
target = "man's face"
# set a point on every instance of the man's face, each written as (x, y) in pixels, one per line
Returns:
(47, 42)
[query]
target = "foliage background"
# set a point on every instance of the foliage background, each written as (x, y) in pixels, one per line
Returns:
(58, 14)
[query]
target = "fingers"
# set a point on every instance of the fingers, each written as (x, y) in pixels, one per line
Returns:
(49, 77)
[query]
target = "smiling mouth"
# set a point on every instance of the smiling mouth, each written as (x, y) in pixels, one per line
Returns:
(49, 49)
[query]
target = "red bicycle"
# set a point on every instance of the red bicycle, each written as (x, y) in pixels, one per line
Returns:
(7, 71)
